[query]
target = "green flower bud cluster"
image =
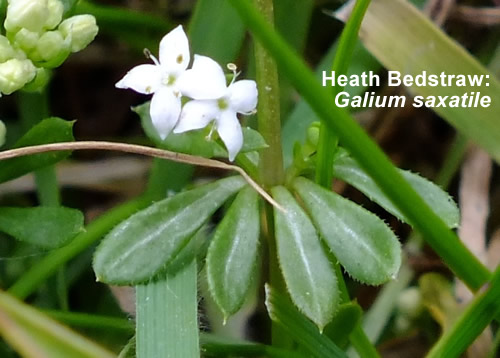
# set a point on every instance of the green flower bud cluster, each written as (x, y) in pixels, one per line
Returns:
(3, 131)
(37, 38)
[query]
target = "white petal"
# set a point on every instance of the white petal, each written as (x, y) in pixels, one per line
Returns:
(230, 132)
(205, 80)
(165, 109)
(144, 79)
(243, 96)
(174, 51)
(196, 114)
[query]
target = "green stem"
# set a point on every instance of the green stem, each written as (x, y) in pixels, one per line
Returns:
(85, 320)
(476, 317)
(380, 312)
(271, 158)
(167, 316)
(34, 107)
(326, 150)
(371, 158)
(347, 43)
(215, 347)
(48, 266)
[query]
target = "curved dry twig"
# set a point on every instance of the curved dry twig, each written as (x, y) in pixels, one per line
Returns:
(142, 150)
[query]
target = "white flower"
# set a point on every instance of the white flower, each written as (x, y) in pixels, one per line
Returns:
(213, 100)
(160, 79)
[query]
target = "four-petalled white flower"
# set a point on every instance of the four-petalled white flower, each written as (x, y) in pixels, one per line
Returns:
(161, 80)
(212, 100)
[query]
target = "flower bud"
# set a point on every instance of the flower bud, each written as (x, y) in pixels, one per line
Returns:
(50, 45)
(26, 40)
(3, 132)
(80, 30)
(6, 50)
(56, 9)
(313, 135)
(29, 14)
(14, 74)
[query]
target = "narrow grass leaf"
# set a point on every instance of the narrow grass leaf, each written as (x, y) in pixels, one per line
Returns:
(232, 255)
(299, 328)
(34, 335)
(309, 276)
(167, 316)
(403, 39)
(348, 170)
(47, 227)
(362, 242)
(50, 130)
(144, 244)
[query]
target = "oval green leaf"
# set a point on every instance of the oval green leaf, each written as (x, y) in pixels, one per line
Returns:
(47, 227)
(50, 130)
(309, 276)
(232, 254)
(361, 241)
(149, 240)
(348, 170)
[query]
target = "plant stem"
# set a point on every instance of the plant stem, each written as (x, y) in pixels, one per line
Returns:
(33, 107)
(347, 43)
(271, 158)
(138, 149)
(326, 150)
(85, 320)
(380, 312)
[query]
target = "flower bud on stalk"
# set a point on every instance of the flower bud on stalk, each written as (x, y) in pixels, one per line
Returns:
(51, 50)
(80, 30)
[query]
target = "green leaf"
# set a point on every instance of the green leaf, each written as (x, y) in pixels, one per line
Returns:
(216, 30)
(363, 244)
(348, 170)
(232, 254)
(50, 130)
(346, 318)
(196, 248)
(298, 327)
(196, 142)
(32, 334)
(48, 227)
(308, 274)
(149, 240)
